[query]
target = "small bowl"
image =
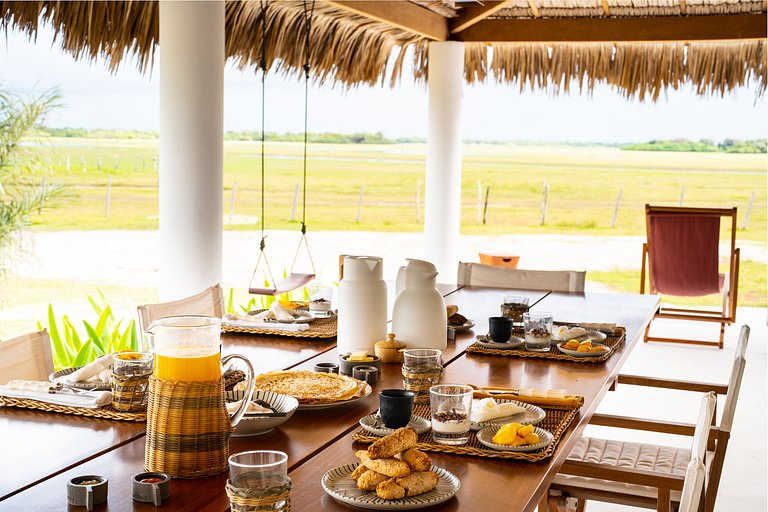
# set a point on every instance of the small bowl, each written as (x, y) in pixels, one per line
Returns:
(258, 425)
(346, 367)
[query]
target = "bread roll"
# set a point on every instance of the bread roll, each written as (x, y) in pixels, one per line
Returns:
(451, 309)
(391, 467)
(418, 482)
(390, 490)
(370, 479)
(396, 442)
(416, 460)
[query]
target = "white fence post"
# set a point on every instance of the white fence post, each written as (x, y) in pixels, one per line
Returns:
(544, 200)
(616, 208)
(749, 211)
(479, 202)
(295, 201)
(418, 201)
(109, 193)
(359, 204)
(682, 196)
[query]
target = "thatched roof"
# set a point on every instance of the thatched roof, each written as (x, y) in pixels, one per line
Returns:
(639, 47)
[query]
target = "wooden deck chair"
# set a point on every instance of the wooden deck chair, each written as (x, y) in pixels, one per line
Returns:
(638, 474)
(681, 259)
(477, 274)
(208, 302)
(26, 357)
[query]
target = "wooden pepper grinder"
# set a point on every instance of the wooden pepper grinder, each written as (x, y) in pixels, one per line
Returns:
(389, 350)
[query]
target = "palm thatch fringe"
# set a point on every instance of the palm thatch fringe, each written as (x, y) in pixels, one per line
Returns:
(620, 8)
(642, 70)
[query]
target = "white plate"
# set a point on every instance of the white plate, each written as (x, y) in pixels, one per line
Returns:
(584, 354)
(533, 415)
(257, 425)
(366, 392)
(591, 335)
(485, 436)
(339, 486)
(463, 327)
(98, 385)
(373, 424)
(514, 342)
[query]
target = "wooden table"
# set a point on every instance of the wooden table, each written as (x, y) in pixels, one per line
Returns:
(316, 441)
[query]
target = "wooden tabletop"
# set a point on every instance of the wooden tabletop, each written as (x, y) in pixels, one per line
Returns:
(319, 440)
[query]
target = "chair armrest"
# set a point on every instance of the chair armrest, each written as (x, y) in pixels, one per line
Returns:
(646, 425)
(702, 387)
(622, 474)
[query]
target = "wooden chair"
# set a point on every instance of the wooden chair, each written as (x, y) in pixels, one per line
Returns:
(26, 357)
(477, 274)
(208, 302)
(717, 443)
(636, 474)
(681, 259)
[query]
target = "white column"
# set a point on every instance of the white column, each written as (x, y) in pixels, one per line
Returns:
(442, 197)
(191, 146)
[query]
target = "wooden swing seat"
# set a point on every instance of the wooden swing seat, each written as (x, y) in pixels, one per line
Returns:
(290, 283)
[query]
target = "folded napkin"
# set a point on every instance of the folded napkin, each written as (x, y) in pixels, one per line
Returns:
(34, 390)
(92, 371)
(541, 397)
(487, 409)
(607, 328)
(237, 321)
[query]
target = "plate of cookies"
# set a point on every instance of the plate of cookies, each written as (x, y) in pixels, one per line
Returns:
(391, 475)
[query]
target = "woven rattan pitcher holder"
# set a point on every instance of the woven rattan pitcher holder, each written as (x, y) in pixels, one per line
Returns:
(188, 427)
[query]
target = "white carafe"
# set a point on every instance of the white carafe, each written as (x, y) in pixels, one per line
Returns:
(419, 316)
(362, 303)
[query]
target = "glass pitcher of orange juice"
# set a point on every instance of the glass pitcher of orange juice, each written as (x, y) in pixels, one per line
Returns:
(188, 349)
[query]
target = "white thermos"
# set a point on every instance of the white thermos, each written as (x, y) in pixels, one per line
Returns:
(419, 318)
(362, 304)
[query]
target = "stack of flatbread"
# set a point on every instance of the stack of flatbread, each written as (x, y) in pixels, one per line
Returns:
(394, 468)
(311, 387)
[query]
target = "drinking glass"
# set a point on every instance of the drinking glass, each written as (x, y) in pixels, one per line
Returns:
(514, 306)
(130, 380)
(262, 474)
(422, 369)
(538, 331)
(451, 406)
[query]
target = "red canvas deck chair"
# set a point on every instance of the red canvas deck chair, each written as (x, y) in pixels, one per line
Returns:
(681, 259)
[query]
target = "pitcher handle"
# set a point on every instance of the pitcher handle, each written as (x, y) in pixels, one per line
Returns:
(249, 389)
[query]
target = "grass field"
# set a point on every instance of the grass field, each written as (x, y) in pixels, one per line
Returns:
(583, 186)
(583, 181)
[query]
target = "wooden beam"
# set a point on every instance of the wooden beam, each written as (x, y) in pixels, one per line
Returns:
(401, 14)
(580, 30)
(472, 13)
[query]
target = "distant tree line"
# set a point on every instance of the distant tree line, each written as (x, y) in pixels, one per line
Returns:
(703, 145)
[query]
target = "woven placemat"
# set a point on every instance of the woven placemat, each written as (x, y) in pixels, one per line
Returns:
(554, 354)
(320, 328)
(107, 412)
(556, 421)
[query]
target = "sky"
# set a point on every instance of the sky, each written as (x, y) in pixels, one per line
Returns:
(94, 98)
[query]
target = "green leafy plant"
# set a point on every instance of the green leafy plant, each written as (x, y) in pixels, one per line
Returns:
(105, 336)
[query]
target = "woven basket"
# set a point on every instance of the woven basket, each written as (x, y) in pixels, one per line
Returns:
(252, 500)
(419, 380)
(188, 428)
(129, 393)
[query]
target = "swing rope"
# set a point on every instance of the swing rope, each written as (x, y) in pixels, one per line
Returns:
(263, 65)
(307, 32)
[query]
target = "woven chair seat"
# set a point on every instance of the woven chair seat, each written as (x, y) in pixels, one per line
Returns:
(647, 457)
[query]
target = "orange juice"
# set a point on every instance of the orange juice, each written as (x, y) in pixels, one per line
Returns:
(187, 364)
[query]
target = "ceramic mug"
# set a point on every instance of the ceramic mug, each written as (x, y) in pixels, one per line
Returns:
(151, 487)
(327, 368)
(396, 407)
(87, 491)
(500, 328)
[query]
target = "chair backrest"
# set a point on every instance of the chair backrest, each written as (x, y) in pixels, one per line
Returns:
(734, 383)
(477, 274)
(695, 472)
(683, 246)
(208, 302)
(26, 357)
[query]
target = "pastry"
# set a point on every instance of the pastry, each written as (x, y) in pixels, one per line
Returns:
(390, 490)
(398, 441)
(416, 459)
(370, 479)
(418, 483)
(391, 467)
(358, 472)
